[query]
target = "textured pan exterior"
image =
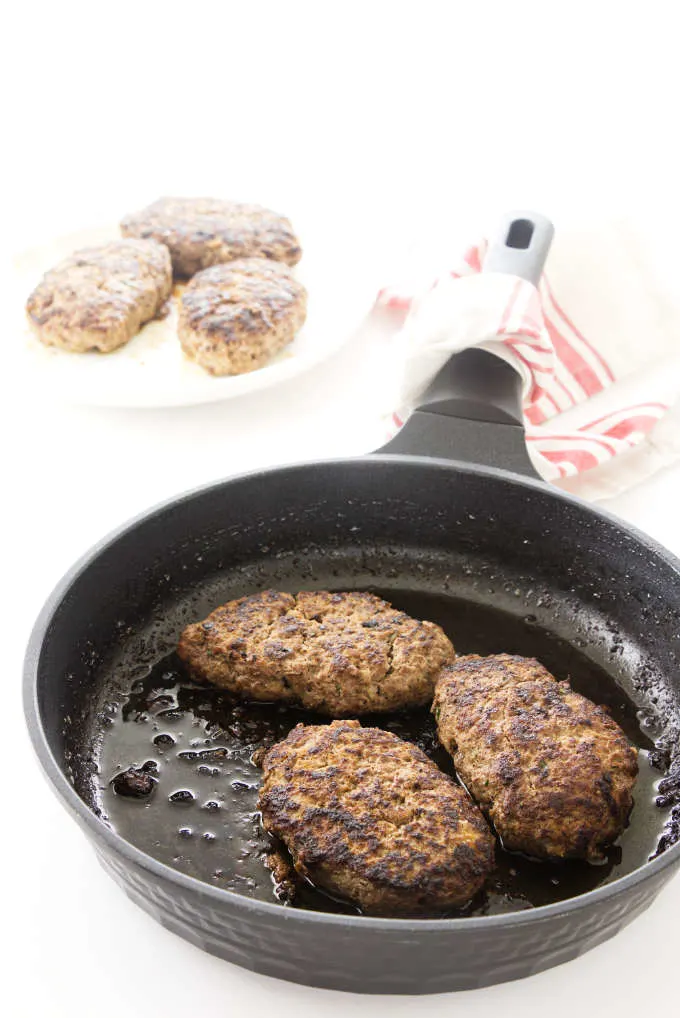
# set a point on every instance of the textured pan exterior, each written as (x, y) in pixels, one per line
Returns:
(392, 957)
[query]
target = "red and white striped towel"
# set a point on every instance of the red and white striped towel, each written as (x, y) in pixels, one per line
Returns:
(572, 339)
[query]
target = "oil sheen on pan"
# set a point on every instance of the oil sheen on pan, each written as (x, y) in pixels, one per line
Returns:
(196, 745)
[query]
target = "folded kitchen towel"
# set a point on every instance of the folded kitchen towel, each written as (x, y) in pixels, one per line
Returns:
(597, 344)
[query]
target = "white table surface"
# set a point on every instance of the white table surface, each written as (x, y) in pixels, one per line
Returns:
(381, 116)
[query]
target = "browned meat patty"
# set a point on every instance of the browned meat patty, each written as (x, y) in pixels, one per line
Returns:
(339, 654)
(552, 770)
(371, 819)
(233, 318)
(99, 297)
(200, 232)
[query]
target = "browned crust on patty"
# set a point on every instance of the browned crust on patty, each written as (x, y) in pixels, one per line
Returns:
(200, 232)
(553, 772)
(99, 297)
(340, 654)
(372, 820)
(233, 318)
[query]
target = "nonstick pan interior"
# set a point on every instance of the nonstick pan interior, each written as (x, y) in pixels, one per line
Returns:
(503, 565)
(202, 817)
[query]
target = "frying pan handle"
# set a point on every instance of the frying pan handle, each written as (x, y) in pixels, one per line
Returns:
(472, 410)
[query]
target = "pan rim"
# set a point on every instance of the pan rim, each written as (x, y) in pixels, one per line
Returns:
(119, 846)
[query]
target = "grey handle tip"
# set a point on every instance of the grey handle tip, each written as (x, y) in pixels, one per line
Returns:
(521, 245)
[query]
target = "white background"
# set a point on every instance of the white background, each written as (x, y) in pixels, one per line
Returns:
(377, 117)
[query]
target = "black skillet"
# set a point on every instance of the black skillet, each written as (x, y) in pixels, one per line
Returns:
(451, 523)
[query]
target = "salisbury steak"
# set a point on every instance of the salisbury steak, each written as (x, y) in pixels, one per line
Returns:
(370, 818)
(339, 654)
(200, 232)
(233, 318)
(552, 770)
(99, 297)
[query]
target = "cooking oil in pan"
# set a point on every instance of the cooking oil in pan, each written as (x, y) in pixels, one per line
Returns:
(198, 743)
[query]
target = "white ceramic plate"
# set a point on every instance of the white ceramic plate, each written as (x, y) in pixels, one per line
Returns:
(151, 370)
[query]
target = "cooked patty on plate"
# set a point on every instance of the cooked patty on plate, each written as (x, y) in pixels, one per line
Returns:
(99, 297)
(233, 318)
(200, 232)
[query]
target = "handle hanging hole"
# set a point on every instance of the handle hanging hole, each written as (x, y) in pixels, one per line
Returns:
(520, 233)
